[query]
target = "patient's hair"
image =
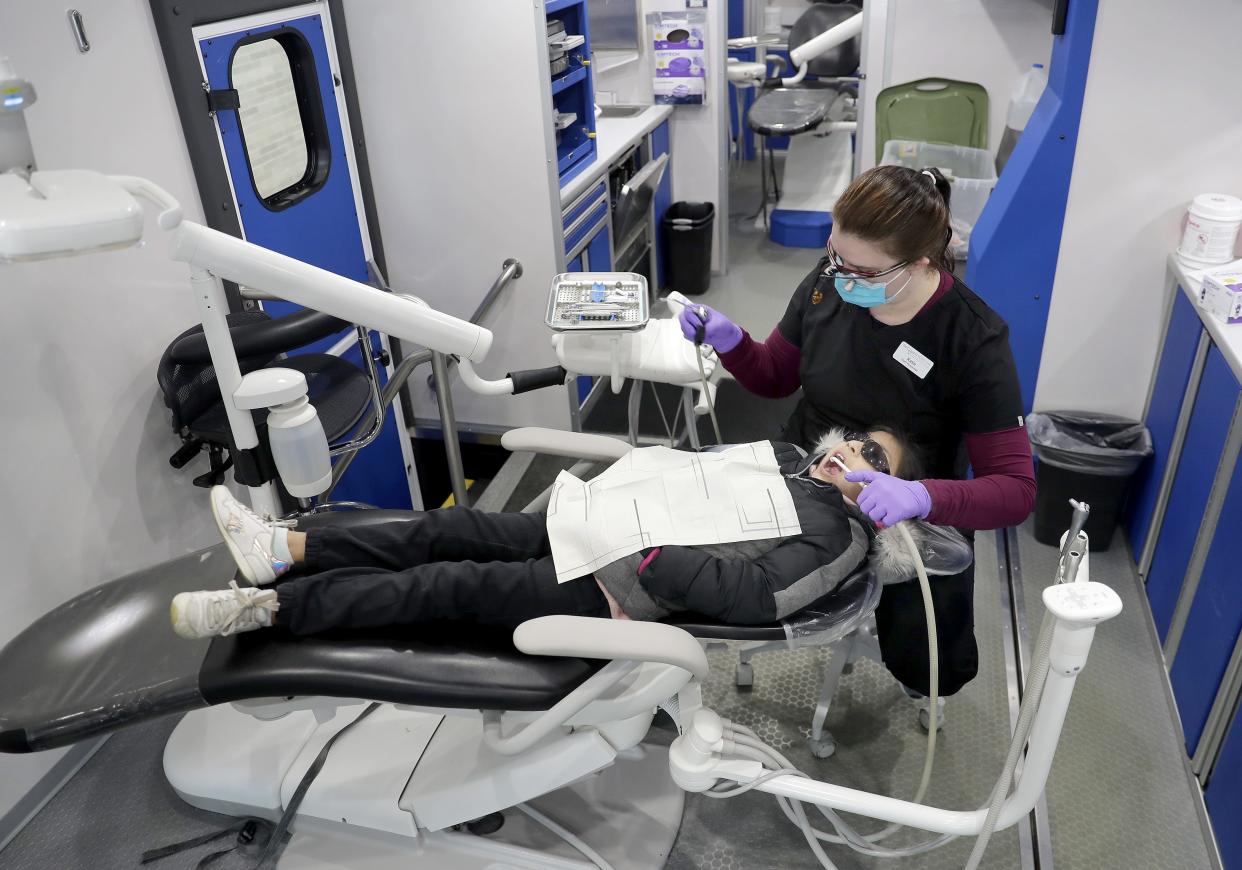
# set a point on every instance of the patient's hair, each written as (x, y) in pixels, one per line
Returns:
(912, 466)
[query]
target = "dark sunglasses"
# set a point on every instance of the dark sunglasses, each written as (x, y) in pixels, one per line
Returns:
(836, 266)
(872, 453)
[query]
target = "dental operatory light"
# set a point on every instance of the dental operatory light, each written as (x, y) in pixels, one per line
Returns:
(57, 214)
(16, 95)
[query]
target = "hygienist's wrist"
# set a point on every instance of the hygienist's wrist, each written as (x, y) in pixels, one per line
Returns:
(735, 349)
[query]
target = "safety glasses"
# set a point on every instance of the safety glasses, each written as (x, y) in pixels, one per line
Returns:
(872, 453)
(837, 266)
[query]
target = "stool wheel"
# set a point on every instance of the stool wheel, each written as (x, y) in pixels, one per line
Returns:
(824, 747)
(744, 678)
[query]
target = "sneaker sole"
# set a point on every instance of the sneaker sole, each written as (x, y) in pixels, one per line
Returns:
(239, 558)
(178, 621)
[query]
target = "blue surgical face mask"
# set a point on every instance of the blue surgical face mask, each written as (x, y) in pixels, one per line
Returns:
(866, 294)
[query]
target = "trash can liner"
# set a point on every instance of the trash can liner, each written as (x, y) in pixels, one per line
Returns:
(1089, 441)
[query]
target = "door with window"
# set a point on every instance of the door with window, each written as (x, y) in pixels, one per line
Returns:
(275, 91)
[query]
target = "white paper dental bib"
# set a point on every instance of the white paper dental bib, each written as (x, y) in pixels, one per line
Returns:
(655, 496)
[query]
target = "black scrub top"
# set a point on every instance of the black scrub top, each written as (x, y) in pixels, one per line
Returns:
(947, 372)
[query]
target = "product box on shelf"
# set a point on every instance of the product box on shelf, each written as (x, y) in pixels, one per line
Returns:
(1221, 295)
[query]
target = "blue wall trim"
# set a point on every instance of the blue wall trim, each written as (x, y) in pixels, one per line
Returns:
(1014, 246)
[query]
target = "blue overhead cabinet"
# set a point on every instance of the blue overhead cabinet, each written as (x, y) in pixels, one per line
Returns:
(573, 91)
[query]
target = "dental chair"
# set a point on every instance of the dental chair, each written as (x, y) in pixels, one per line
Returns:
(818, 166)
(470, 722)
(379, 745)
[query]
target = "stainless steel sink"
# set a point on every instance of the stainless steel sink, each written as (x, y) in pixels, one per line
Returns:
(621, 111)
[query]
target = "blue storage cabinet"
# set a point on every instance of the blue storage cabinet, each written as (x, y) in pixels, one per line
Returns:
(1224, 798)
(1172, 380)
(663, 199)
(585, 223)
(1215, 617)
(1205, 439)
(573, 90)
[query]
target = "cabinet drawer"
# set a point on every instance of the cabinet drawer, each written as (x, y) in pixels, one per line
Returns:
(581, 205)
(588, 226)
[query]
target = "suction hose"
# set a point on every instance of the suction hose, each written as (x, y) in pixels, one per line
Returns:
(745, 743)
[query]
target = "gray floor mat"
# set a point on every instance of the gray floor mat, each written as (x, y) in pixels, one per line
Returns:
(1119, 794)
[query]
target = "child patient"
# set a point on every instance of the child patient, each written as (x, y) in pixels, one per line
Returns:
(497, 568)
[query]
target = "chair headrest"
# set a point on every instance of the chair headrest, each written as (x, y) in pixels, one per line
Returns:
(944, 551)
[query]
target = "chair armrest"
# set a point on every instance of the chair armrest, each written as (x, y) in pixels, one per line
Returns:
(616, 639)
(557, 442)
(260, 339)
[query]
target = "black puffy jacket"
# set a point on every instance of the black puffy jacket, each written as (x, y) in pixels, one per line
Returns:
(751, 582)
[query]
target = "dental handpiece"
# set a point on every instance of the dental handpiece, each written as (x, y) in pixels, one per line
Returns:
(1067, 566)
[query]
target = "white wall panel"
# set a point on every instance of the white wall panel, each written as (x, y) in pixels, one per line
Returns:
(1160, 123)
(991, 42)
(459, 140)
(87, 491)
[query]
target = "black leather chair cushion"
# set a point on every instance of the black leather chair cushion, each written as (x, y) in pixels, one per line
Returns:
(841, 604)
(108, 659)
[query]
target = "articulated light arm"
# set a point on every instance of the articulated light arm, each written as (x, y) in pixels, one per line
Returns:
(245, 263)
(826, 41)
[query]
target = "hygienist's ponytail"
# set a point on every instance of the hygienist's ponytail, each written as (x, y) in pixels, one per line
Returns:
(903, 211)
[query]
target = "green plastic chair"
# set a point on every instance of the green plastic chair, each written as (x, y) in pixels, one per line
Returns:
(943, 111)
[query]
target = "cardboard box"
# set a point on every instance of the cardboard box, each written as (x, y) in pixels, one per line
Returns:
(1221, 295)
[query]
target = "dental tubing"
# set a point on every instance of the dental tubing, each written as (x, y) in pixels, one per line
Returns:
(743, 743)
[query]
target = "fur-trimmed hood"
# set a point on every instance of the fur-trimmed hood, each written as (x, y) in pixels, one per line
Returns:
(943, 549)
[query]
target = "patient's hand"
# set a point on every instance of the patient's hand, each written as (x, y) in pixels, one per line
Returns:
(614, 609)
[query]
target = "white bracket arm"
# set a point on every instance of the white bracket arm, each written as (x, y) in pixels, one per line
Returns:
(826, 41)
(170, 216)
(482, 386)
(557, 442)
(592, 638)
(245, 263)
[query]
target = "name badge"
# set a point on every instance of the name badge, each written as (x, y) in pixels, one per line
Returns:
(913, 360)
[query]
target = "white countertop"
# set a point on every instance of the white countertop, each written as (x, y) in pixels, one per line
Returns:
(612, 137)
(1227, 336)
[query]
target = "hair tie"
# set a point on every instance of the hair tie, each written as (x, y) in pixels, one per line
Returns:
(929, 174)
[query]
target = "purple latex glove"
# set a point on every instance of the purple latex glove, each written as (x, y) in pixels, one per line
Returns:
(888, 500)
(718, 331)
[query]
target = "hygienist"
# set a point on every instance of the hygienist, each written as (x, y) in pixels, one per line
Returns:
(881, 329)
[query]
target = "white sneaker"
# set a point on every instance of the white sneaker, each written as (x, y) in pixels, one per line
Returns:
(222, 612)
(249, 537)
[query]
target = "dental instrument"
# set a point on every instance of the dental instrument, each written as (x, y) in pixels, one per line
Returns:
(699, 333)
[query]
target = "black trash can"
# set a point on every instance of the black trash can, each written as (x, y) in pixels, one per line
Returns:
(687, 231)
(1085, 456)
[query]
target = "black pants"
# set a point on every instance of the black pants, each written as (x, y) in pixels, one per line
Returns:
(455, 563)
(902, 627)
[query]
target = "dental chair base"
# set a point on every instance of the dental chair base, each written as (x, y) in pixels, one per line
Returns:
(391, 794)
